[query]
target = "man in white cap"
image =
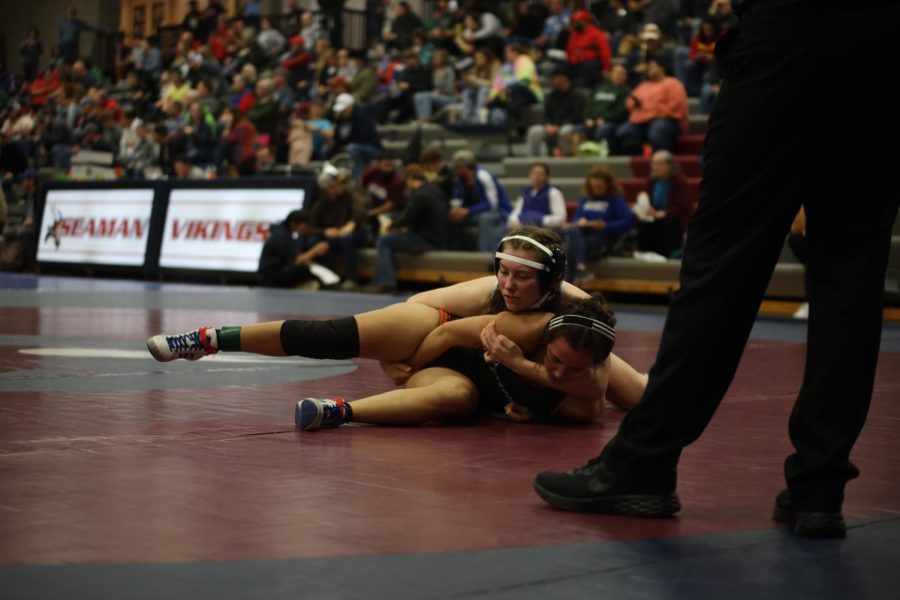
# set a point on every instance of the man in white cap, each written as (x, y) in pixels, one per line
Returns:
(354, 133)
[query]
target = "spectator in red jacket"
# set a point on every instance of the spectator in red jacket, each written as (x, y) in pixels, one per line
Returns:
(587, 50)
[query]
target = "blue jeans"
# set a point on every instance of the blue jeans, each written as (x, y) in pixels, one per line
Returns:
(347, 248)
(491, 228)
(580, 243)
(428, 102)
(474, 99)
(659, 133)
(362, 155)
(387, 245)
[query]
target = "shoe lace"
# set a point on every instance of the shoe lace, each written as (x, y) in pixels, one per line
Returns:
(185, 342)
(332, 412)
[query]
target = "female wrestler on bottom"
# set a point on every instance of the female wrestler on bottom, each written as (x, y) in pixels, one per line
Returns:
(471, 370)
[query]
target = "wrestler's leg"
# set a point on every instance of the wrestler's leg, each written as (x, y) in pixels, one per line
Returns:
(433, 394)
(393, 333)
(390, 334)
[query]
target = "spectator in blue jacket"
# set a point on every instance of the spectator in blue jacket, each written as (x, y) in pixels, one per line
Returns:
(478, 199)
(69, 33)
(540, 204)
(602, 218)
(355, 132)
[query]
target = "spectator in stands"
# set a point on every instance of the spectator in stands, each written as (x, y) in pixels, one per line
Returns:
(615, 20)
(191, 20)
(722, 13)
(383, 188)
(516, 87)
(414, 78)
(554, 25)
(285, 94)
(270, 40)
(526, 21)
(70, 31)
(564, 113)
(265, 114)
(439, 174)
(599, 223)
(709, 91)
(405, 21)
(337, 216)
(152, 65)
(477, 82)
(18, 237)
(478, 199)
(144, 154)
(92, 140)
(288, 252)
(204, 95)
(647, 46)
(375, 16)
(364, 84)
(606, 109)
(252, 12)
(662, 225)
(242, 97)
(440, 28)
(30, 52)
(541, 203)
(202, 131)
(587, 50)
(239, 143)
(423, 46)
(421, 227)
(657, 113)
(700, 55)
(310, 31)
(443, 88)
(355, 133)
(177, 91)
(481, 29)
(321, 128)
(296, 60)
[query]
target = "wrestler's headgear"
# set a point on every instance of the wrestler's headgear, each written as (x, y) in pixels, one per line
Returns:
(551, 268)
(606, 332)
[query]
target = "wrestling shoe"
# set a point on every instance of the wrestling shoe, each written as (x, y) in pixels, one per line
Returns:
(314, 413)
(812, 524)
(594, 488)
(190, 346)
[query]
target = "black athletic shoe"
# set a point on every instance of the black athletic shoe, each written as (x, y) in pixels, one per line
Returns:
(593, 488)
(812, 524)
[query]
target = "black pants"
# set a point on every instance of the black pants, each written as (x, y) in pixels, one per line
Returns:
(773, 144)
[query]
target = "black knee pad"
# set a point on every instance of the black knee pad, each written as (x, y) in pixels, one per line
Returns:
(338, 338)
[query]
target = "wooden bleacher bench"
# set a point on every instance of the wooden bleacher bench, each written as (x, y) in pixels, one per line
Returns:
(613, 274)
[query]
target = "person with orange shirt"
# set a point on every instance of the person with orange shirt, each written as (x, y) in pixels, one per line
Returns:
(657, 113)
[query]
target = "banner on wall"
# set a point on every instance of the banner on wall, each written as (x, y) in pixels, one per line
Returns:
(96, 226)
(222, 229)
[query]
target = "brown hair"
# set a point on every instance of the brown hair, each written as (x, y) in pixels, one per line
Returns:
(414, 171)
(602, 172)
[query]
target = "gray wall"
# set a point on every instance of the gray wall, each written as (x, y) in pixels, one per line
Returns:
(16, 16)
